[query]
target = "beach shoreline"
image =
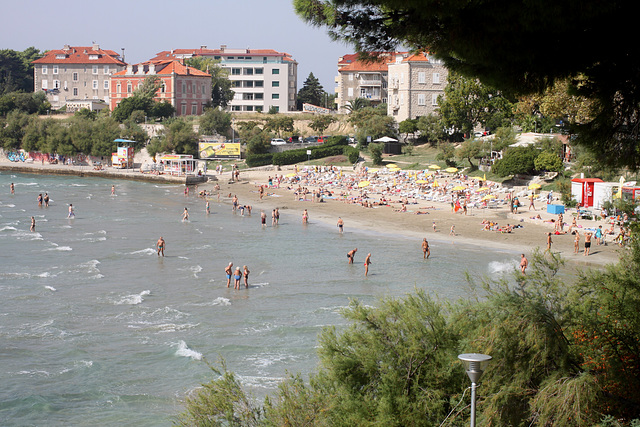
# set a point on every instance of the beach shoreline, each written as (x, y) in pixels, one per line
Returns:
(382, 219)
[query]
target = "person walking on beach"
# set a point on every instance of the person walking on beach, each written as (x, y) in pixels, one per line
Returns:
(245, 273)
(234, 202)
(340, 225)
(71, 213)
(425, 249)
(207, 209)
(46, 200)
(263, 219)
(237, 275)
(367, 262)
(576, 243)
(453, 231)
(434, 226)
(524, 263)
(228, 272)
(587, 243)
(549, 242)
(185, 214)
(598, 235)
(351, 254)
(277, 212)
(160, 245)
(305, 217)
(33, 224)
(531, 202)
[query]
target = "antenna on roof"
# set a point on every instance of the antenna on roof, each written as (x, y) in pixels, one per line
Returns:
(122, 54)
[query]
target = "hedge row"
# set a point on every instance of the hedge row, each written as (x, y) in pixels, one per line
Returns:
(254, 160)
(334, 147)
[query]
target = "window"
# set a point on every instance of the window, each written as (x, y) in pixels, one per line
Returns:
(75, 77)
(105, 70)
(236, 83)
(75, 91)
(275, 107)
(258, 83)
(55, 69)
(184, 109)
(236, 71)
(44, 69)
(259, 70)
(436, 78)
(275, 96)
(248, 71)
(45, 84)
(129, 88)
(106, 84)
(247, 97)
(94, 69)
(194, 109)
(258, 96)
(118, 88)
(248, 83)
(422, 78)
(350, 77)
(275, 71)
(350, 92)
(434, 99)
(421, 99)
(163, 87)
(184, 88)
(95, 84)
(275, 84)
(236, 108)
(56, 84)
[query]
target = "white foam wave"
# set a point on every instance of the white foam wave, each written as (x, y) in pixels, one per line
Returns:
(134, 299)
(8, 228)
(147, 251)
(51, 288)
(185, 351)
(258, 285)
(501, 267)
(61, 248)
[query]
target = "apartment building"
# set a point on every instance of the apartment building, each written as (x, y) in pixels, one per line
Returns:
(76, 73)
(261, 78)
(415, 82)
(362, 79)
(186, 88)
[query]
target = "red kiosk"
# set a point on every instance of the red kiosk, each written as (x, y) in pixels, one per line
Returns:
(582, 189)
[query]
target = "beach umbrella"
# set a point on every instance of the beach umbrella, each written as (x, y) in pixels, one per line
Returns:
(459, 188)
(363, 184)
(534, 186)
(435, 184)
(391, 165)
(421, 181)
(434, 167)
(291, 175)
(489, 197)
(480, 190)
(451, 170)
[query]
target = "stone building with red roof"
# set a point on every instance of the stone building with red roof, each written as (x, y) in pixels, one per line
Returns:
(76, 73)
(408, 84)
(186, 88)
(261, 78)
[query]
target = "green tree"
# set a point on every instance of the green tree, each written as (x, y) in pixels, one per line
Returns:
(547, 161)
(357, 104)
(408, 126)
(13, 130)
(311, 92)
(432, 128)
(446, 153)
(180, 138)
(373, 122)
(467, 103)
(221, 92)
(215, 121)
(471, 149)
(30, 103)
(516, 160)
(375, 149)
(505, 57)
(504, 137)
(279, 123)
(16, 71)
(321, 122)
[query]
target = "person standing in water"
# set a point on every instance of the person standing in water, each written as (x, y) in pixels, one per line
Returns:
(160, 245)
(425, 249)
(245, 273)
(237, 275)
(207, 209)
(351, 254)
(340, 225)
(367, 262)
(46, 200)
(33, 224)
(113, 190)
(13, 189)
(185, 214)
(305, 217)
(71, 212)
(228, 272)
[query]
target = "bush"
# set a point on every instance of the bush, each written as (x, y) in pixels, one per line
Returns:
(353, 154)
(375, 149)
(254, 160)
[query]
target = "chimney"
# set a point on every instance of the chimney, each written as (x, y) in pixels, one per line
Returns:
(66, 47)
(130, 69)
(96, 46)
(223, 47)
(152, 68)
(203, 47)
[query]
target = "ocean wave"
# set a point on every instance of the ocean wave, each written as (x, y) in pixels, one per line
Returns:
(255, 381)
(61, 248)
(147, 251)
(8, 228)
(51, 288)
(501, 267)
(185, 351)
(133, 299)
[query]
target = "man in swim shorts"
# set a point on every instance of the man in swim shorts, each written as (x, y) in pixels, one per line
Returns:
(228, 272)
(237, 275)
(523, 264)
(33, 224)
(340, 225)
(425, 249)
(263, 219)
(246, 276)
(367, 262)
(351, 254)
(587, 243)
(160, 245)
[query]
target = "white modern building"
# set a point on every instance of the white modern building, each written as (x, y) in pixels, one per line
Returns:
(261, 78)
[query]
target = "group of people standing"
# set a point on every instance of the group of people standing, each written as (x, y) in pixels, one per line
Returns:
(237, 275)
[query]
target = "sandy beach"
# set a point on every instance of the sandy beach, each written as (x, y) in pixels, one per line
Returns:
(416, 223)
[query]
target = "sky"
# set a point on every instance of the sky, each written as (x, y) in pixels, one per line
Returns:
(146, 27)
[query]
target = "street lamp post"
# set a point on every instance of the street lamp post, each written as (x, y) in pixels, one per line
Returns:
(474, 364)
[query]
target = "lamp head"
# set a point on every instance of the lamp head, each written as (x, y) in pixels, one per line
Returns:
(475, 364)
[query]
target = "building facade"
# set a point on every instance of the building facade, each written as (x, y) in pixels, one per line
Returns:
(186, 88)
(362, 79)
(76, 73)
(415, 82)
(261, 78)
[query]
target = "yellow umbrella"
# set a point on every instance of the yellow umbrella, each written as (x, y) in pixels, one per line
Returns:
(391, 166)
(429, 173)
(483, 189)
(451, 170)
(290, 175)
(489, 197)
(421, 181)
(618, 195)
(459, 188)
(434, 167)
(363, 183)
(534, 186)
(435, 184)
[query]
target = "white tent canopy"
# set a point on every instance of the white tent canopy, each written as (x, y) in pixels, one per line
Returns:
(385, 139)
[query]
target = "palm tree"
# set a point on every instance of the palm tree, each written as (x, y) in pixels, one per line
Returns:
(357, 104)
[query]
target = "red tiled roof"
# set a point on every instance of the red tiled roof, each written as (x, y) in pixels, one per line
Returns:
(80, 55)
(420, 57)
(166, 68)
(168, 54)
(350, 62)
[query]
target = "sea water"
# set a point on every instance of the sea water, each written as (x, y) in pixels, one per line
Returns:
(96, 329)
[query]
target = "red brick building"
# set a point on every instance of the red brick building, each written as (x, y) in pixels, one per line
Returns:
(186, 88)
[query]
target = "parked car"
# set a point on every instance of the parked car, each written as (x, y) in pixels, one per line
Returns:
(277, 141)
(311, 139)
(323, 139)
